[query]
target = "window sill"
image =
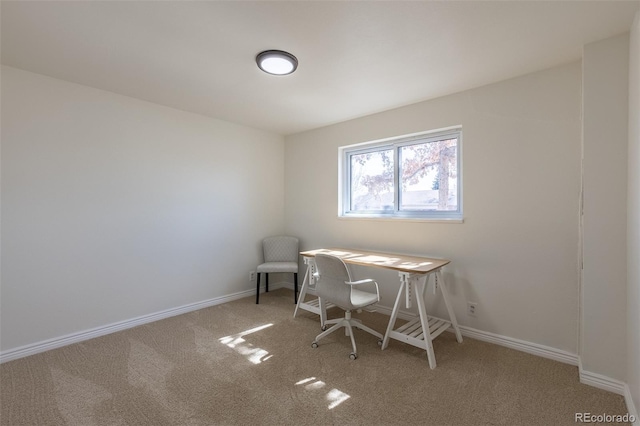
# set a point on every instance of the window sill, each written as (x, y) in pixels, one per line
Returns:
(399, 218)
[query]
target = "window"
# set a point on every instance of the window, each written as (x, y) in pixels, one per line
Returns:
(416, 176)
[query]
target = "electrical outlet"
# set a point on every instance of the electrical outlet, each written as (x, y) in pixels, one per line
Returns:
(252, 276)
(472, 308)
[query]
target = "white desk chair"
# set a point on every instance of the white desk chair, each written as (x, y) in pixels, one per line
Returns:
(280, 255)
(334, 284)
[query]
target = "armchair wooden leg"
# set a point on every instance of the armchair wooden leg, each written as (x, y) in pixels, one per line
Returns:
(258, 289)
(295, 287)
(266, 282)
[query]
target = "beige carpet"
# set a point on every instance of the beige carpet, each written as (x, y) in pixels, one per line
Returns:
(246, 364)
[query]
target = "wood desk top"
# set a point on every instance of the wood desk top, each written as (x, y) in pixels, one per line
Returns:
(396, 262)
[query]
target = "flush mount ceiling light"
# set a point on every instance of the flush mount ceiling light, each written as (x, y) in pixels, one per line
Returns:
(277, 62)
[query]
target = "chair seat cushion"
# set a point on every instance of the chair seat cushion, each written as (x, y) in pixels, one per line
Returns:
(361, 298)
(278, 267)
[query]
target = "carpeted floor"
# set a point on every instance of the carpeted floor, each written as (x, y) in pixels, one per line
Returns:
(246, 364)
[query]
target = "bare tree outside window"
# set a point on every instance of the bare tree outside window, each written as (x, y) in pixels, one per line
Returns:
(429, 176)
(372, 181)
(404, 177)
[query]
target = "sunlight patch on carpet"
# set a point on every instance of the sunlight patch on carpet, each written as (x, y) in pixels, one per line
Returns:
(240, 345)
(334, 396)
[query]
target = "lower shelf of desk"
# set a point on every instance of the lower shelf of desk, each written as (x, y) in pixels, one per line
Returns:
(313, 305)
(412, 333)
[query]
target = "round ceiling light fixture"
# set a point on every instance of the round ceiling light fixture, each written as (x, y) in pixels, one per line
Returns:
(277, 62)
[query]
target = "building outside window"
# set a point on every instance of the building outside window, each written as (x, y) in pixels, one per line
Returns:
(416, 176)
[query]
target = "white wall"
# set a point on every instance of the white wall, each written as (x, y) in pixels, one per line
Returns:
(113, 208)
(516, 254)
(633, 218)
(605, 140)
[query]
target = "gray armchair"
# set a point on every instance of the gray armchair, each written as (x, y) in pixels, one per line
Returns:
(280, 255)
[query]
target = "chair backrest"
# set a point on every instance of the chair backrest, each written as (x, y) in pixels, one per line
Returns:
(330, 281)
(280, 249)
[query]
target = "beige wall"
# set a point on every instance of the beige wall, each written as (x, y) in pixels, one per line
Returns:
(633, 218)
(605, 129)
(114, 208)
(516, 254)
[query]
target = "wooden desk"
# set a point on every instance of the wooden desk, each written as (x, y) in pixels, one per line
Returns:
(414, 273)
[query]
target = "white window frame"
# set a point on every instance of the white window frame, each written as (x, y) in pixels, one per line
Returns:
(395, 143)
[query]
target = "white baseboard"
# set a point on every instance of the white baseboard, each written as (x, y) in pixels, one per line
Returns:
(631, 406)
(69, 339)
(521, 345)
(601, 382)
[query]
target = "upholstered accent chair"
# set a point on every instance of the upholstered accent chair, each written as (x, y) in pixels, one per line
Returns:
(280, 255)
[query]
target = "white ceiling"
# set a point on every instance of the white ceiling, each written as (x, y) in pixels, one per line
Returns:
(356, 58)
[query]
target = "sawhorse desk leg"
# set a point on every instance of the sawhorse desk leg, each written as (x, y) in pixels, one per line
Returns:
(303, 289)
(420, 331)
(316, 305)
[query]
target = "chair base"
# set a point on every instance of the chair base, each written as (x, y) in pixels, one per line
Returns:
(348, 323)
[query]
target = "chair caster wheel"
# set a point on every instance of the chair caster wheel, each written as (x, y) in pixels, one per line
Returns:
(353, 355)
(324, 328)
(380, 342)
(314, 345)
